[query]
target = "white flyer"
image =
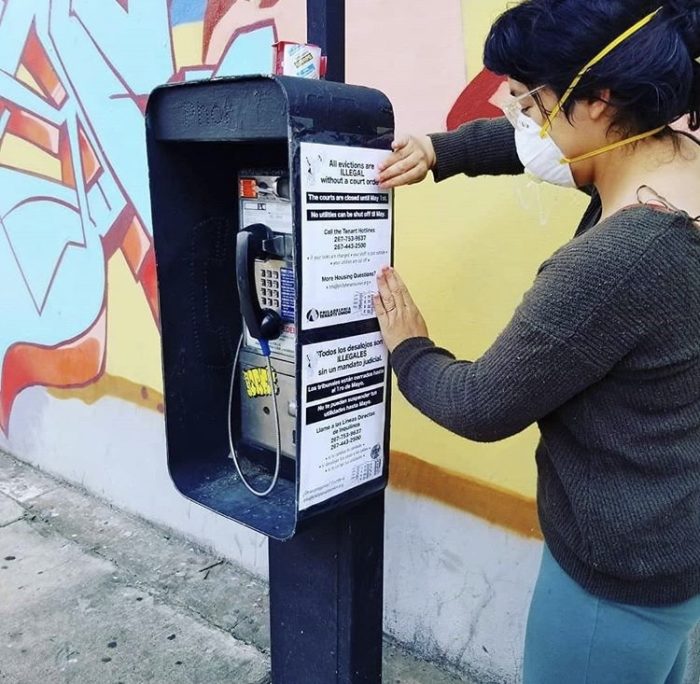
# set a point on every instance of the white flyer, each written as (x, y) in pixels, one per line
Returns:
(343, 414)
(346, 232)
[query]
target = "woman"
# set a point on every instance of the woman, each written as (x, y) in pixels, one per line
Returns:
(604, 350)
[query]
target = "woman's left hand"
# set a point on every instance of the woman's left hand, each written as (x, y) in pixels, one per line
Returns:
(399, 317)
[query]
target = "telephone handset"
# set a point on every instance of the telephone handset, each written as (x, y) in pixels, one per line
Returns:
(264, 324)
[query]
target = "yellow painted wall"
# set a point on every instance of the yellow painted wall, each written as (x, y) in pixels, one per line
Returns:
(468, 249)
(133, 351)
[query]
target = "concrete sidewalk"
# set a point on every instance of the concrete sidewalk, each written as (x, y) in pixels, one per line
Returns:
(89, 594)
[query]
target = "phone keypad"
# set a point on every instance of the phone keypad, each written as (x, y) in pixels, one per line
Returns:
(270, 290)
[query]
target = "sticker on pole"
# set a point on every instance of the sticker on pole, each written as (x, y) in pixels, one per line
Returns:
(343, 403)
(346, 233)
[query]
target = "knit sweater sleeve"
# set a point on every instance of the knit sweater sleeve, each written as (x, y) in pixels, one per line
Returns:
(482, 147)
(586, 310)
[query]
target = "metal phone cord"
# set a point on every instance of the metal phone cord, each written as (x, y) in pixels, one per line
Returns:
(234, 455)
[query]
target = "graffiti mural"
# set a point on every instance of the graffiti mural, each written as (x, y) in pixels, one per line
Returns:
(78, 293)
(74, 207)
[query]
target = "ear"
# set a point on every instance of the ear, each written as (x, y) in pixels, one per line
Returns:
(599, 107)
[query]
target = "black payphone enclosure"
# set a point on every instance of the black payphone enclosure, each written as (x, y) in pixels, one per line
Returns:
(199, 136)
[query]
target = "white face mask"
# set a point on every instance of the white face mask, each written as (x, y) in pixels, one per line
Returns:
(540, 156)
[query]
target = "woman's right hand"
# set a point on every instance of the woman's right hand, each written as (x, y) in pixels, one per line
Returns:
(411, 160)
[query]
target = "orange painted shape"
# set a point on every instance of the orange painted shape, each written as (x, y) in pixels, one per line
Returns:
(212, 16)
(70, 364)
(215, 11)
(33, 129)
(91, 166)
(113, 386)
(114, 238)
(226, 20)
(149, 282)
(499, 506)
(37, 63)
(66, 158)
(135, 246)
(475, 100)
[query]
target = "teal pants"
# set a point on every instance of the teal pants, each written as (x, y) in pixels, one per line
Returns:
(574, 637)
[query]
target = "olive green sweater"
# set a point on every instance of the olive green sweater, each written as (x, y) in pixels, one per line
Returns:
(604, 354)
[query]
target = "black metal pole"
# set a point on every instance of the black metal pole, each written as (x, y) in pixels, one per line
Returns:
(326, 596)
(326, 583)
(325, 21)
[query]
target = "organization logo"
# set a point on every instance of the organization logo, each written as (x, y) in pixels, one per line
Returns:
(313, 315)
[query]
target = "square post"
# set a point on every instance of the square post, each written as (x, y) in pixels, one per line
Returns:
(325, 20)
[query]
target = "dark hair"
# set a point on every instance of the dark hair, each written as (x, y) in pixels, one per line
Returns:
(653, 77)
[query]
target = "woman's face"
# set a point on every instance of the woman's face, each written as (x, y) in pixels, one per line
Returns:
(585, 130)
(533, 105)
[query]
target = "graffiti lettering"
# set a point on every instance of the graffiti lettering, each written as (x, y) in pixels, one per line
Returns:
(257, 382)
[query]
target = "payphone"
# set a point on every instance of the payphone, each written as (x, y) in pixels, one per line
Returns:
(268, 228)
(264, 363)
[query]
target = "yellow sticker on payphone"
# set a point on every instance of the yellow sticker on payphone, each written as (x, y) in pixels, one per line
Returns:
(257, 382)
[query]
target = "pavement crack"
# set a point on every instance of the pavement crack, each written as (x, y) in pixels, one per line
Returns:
(12, 522)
